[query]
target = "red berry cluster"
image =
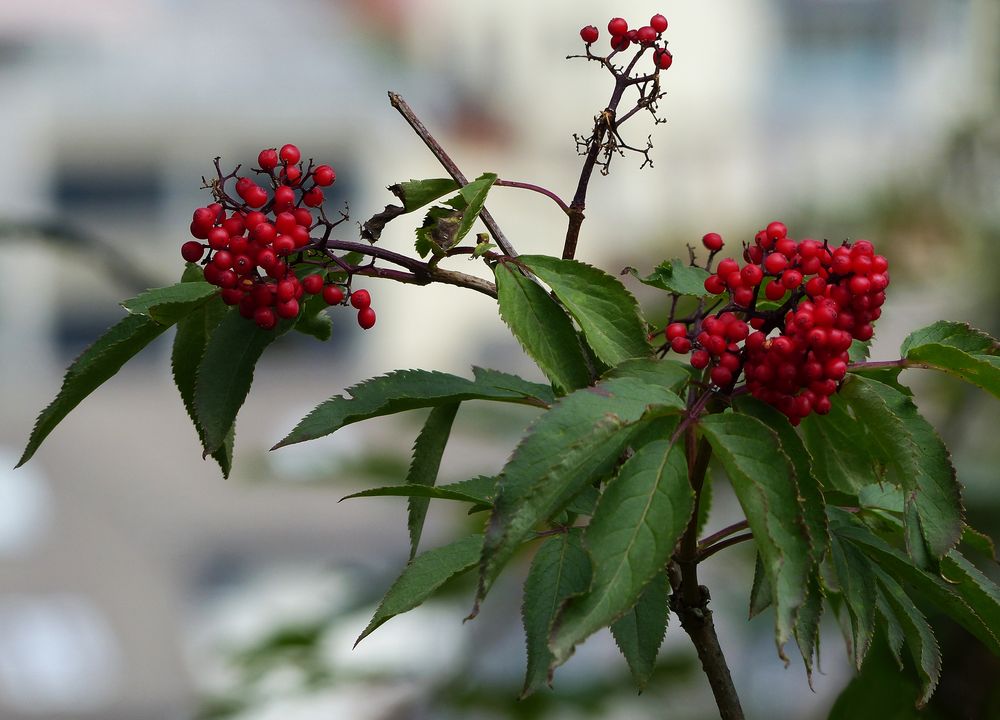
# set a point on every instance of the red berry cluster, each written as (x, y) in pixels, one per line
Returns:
(793, 350)
(646, 36)
(252, 247)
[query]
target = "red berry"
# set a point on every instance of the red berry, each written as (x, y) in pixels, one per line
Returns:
(192, 251)
(774, 290)
(287, 309)
(699, 359)
(222, 260)
(303, 217)
(712, 241)
(313, 198)
(589, 34)
(290, 175)
(268, 159)
(283, 244)
(775, 263)
(256, 198)
(620, 42)
(752, 275)
(265, 318)
(791, 279)
(333, 295)
(324, 175)
(286, 290)
(728, 266)
(662, 58)
(680, 345)
(361, 299)
(366, 318)
(776, 230)
(645, 35)
(289, 154)
(617, 26)
(284, 222)
(676, 330)
(721, 376)
(218, 238)
(284, 198)
(313, 284)
(658, 23)
(715, 284)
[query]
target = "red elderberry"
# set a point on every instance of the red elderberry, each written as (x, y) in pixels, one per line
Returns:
(662, 58)
(333, 295)
(617, 26)
(361, 299)
(366, 318)
(192, 251)
(289, 154)
(268, 159)
(658, 23)
(313, 284)
(589, 34)
(325, 176)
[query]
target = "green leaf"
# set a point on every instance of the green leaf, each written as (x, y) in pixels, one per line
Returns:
(637, 523)
(807, 621)
(858, 589)
(169, 304)
(919, 637)
(542, 328)
(417, 193)
(764, 481)
(951, 599)
(980, 593)
(811, 496)
(606, 312)
(559, 570)
(675, 276)
(640, 632)
(439, 231)
(474, 195)
(858, 352)
(667, 373)
(761, 592)
(894, 636)
(226, 372)
(951, 334)
(515, 383)
(841, 450)
(959, 350)
(97, 364)
(578, 440)
(913, 449)
(439, 492)
(192, 336)
(399, 391)
(427, 452)
(422, 576)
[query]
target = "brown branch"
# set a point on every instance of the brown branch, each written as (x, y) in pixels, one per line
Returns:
(435, 147)
(707, 552)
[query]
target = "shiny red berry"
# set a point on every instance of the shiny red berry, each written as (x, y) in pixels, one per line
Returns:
(589, 34)
(192, 251)
(361, 299)
(366, 318)
(658, 23)
(289, 154)
(617, 26)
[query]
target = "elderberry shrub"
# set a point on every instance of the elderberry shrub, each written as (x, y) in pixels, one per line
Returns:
(258, 247)
(790, 342)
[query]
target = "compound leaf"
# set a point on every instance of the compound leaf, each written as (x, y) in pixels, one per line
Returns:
(637, 523)
(579, 439)
(675, 276)
(765, 484)
(922, 463)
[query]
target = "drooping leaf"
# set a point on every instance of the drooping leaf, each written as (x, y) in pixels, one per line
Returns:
(422, 576)
(857, 587)
(414, 194)
(764, 480)
(605, 311)
(427, 452)
(917, 634)
(761, 593)
(542, 328)
(638, 521)
(226, 372)
(922, 463)
(811, 496)
(579, 439)
(438, 492)
(949, 597)
(979, 592)
(675, 276)
(559, 570)
(95, 365)
(474, 194)
(807, 621)
(894, 636)
(192, 336)
(439, 231)
(398, 391)
(640, 632)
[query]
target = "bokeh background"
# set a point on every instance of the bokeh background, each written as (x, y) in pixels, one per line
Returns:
(135, 582)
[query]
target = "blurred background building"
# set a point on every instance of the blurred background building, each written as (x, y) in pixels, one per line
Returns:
(134, 582)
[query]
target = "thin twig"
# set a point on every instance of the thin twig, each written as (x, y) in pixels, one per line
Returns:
(535, 188)
(421, 130)
(712, 549)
